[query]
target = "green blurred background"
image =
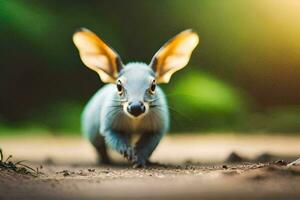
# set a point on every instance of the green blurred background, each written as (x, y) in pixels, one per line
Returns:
(244, 76)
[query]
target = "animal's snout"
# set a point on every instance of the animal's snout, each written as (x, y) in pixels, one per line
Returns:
(136, 108)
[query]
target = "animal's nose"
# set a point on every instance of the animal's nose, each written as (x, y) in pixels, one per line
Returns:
(136, 108)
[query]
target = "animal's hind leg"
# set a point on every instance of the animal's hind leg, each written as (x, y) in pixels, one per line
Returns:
(101, 148)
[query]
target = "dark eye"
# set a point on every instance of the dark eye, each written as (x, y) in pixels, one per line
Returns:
(153, 86)
(119, 87)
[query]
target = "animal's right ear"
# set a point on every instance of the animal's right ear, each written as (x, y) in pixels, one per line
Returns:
(97, 55)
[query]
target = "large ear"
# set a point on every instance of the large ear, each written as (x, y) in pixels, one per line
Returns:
(174, 55)
(97, 55)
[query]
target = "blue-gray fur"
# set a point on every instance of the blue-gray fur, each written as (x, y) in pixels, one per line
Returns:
(103, 118)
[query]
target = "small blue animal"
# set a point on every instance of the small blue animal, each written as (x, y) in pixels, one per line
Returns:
(131, 103)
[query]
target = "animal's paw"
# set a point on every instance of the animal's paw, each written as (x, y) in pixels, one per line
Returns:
(138, 161)
(139, 164)
(128, 153)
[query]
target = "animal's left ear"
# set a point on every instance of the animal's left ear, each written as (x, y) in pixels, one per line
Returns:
(174, 55)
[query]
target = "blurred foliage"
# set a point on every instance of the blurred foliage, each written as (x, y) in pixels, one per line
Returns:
(196, 98)
(280, 119)
(247, 64)
(62, 116)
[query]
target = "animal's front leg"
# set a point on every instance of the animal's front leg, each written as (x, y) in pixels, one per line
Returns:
(145, 147)
(119, 142)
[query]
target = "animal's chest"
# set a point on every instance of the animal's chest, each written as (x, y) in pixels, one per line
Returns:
(137, 126)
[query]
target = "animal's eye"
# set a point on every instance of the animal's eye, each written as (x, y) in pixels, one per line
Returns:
(119, 87)
(153, 86)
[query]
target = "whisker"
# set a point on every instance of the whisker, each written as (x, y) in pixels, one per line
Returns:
(176, 117)
(153, 106)
(153, 100)
(111, 115)
(113, 111)
(174, 94)
(116, 115)
(180, 113)
(115, 106)
(159, 107)
(118, 100)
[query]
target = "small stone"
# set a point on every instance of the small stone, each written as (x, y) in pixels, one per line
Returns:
(234, 157)
(280, 162)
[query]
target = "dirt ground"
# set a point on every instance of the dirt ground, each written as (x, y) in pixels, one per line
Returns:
(196, 167)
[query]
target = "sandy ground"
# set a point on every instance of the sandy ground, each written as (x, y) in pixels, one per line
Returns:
(197, 167)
